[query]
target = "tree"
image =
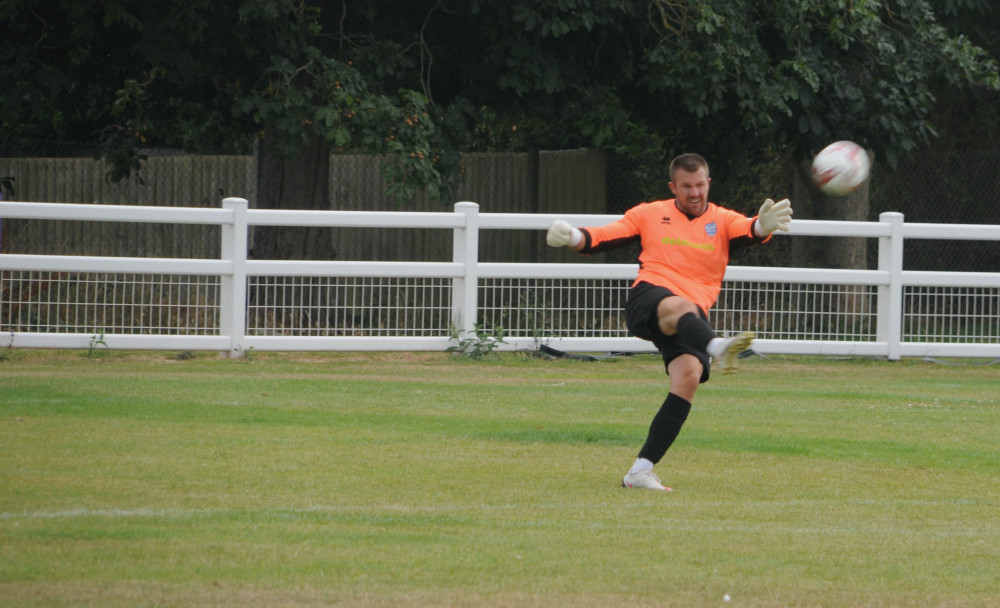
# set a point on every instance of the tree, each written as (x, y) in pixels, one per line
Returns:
(423, 80)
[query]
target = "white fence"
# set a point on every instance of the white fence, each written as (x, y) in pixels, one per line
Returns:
(234, 304)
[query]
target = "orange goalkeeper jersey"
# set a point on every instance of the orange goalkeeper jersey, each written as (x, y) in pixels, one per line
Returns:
(686, 255)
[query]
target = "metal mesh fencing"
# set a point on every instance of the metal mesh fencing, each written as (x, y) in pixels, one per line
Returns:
(347, 306)
(152, 304)
(543, 308)
(966, 314)
(784, 311)
(98, 303)
(595, 308)
(554, 308)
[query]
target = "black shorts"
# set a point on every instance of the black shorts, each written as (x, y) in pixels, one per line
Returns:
(642, 321)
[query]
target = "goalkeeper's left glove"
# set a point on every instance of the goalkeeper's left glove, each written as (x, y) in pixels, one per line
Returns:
(773, 216)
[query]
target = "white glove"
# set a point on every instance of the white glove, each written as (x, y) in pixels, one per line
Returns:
(561, 234)
(773, 216)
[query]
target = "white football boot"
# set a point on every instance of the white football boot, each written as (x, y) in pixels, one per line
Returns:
(644, 479)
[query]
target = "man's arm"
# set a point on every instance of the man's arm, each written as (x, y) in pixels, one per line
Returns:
(595, 239)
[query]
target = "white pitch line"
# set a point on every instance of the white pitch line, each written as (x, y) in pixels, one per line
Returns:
(112, 513)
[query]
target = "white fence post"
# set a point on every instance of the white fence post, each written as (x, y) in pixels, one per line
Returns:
(465, 290)
(233, 288)
(890, 297)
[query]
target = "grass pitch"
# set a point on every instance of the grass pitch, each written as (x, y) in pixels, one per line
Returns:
(132, 479)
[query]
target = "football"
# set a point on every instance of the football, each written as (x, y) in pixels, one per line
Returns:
(840, 168)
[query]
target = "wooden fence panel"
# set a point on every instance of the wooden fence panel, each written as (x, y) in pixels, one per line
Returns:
(571, 181)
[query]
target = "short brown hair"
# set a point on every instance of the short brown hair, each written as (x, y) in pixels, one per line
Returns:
(689, 162)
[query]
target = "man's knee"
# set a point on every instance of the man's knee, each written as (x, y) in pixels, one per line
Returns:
(685, 375)
(670, 310)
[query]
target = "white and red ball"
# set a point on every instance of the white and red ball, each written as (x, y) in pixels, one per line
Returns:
(840, 168)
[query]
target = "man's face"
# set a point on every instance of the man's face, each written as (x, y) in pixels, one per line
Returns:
(691, 190)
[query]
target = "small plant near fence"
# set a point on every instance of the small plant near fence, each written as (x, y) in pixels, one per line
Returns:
(479, 343)
(96, 341)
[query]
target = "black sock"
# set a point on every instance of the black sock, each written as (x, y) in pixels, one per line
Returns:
(665, 427)
(694, 331)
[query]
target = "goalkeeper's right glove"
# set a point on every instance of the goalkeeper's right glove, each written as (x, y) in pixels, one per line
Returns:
(561, 234)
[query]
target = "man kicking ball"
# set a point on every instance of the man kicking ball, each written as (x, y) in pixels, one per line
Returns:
(686, 242)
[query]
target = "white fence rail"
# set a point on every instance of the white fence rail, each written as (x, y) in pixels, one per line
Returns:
(234, 304)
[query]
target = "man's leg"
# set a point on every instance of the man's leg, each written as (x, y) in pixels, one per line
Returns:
(674, 317)
(685, 375)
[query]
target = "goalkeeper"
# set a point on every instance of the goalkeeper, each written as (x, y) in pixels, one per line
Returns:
(686, 242)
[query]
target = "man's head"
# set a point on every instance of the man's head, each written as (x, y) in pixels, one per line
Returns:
(689, 182)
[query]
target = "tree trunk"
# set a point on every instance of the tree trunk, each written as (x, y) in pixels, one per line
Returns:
(301, 182)
(833, 252)
(812, 204)
(299, 304)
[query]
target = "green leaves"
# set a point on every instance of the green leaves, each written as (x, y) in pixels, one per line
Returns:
(812, 71)
(422, 81)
